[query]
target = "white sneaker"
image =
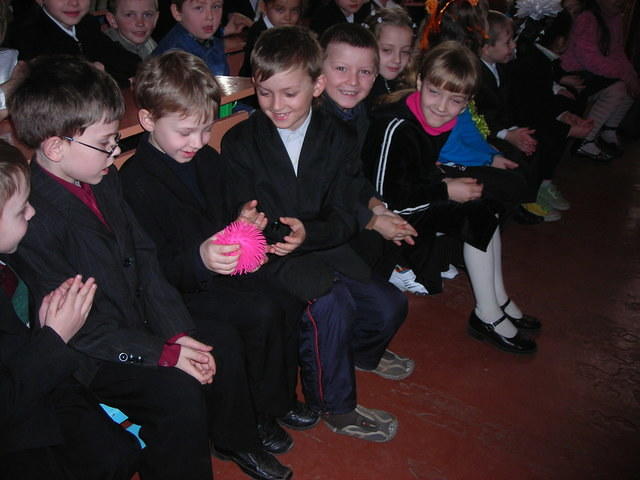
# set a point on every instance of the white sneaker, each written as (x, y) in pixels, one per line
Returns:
(405, 281)
(450, 273)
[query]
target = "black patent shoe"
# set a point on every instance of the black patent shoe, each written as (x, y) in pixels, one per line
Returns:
(260, 465)
(486, 331)
(300, 417)
(526, 322)
(273, 437)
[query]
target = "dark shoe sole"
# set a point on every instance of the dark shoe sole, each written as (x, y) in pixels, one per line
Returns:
(479, 336)
(298, 427)
(248, 471)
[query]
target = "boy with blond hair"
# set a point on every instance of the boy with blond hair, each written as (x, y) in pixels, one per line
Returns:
(300, 164)
(253, 325)
(138, 329)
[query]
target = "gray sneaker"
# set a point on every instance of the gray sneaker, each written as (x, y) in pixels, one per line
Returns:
(392, 366)
(370, 424)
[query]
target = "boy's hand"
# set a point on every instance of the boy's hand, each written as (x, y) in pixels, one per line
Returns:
(236, 23)
(214, 258)
(566, 93)
(503, 163)
(66, 308)
(463, 189)
(393, 227)
(291, 241)
(200, 365)
(250, 214)
(523, 140)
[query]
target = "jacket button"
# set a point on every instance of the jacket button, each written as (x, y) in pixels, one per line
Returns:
(123, 357)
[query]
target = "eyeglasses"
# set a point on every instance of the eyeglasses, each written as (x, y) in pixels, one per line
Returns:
(110, 153)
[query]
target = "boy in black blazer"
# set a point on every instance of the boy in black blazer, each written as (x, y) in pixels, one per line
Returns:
(253, 325)
(50, 427)
(67, 110)
(299, 164)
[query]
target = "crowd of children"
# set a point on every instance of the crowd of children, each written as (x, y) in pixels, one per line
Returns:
(380, 155)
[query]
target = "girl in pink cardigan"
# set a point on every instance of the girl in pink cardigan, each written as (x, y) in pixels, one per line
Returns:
(596, 48)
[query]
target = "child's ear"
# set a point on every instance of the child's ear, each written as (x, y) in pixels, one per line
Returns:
(318, 86)
(418, 83)
(146, 120)
(53, 148)
(175, 12)
(111, 20)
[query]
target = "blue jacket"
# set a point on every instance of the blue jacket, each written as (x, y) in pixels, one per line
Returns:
(179, 38)
(466, 145)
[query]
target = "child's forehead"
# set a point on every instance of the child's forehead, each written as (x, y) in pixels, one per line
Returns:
(340, 51)
(284, 3)
(136, 5)
(202, 2)
(395, 32)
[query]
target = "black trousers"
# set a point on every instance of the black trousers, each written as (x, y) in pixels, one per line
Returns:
(169, 406)
(253, 329)
(93, 447)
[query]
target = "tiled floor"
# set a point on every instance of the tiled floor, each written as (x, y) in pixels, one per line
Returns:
(572, 411)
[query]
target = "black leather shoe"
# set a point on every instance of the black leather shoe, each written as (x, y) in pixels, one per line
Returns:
(261, 465)
(301, 417)
(486, 331)
(527, 322)
(524, 217)
(273, 437)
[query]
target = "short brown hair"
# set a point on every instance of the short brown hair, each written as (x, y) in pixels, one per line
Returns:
(353, 35)
(285, 48)
(176, 82)
(451, 66)
(112, 5)
(14, 170)
(498, 23)
(62, 96)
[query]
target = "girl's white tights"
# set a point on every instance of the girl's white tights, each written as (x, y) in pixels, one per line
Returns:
(485, 273)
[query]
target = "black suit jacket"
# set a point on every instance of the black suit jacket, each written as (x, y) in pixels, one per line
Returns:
(319, 195)
(135, 310)
(31, 366)
(492, 100)
(252, 37)
(39, 35)
(156, 194)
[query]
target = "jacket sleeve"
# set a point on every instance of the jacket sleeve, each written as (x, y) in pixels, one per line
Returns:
(31, 371)
(402, 167)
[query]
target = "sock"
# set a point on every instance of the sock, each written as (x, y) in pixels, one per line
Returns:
(480, 267)
(501, 292)
(545, 183)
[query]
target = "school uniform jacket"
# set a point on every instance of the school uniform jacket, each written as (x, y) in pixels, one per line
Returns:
(39, 35)
(330, 14)
(171, 213)
(259, 168)
(31, 366)
(399, 157)
(492, 100)
(135, 310)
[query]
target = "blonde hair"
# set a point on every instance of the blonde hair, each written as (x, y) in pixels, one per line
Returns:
(14, 172)
(450, 66)
(176, 82)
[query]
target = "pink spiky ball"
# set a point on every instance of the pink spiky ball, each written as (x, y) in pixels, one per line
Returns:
(252, 245)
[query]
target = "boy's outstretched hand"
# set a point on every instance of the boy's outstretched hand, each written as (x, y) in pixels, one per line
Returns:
(250, 214)
(522, 139)
(196, 359)
(291, 241)
(463, 189)
(214, 258)
(66, 308)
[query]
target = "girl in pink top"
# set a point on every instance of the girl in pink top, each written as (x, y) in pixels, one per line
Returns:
(596, 46)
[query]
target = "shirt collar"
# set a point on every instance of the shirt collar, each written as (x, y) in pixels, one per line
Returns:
(267, 22)
(301, 131)
(69, 31)
(547, 53)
